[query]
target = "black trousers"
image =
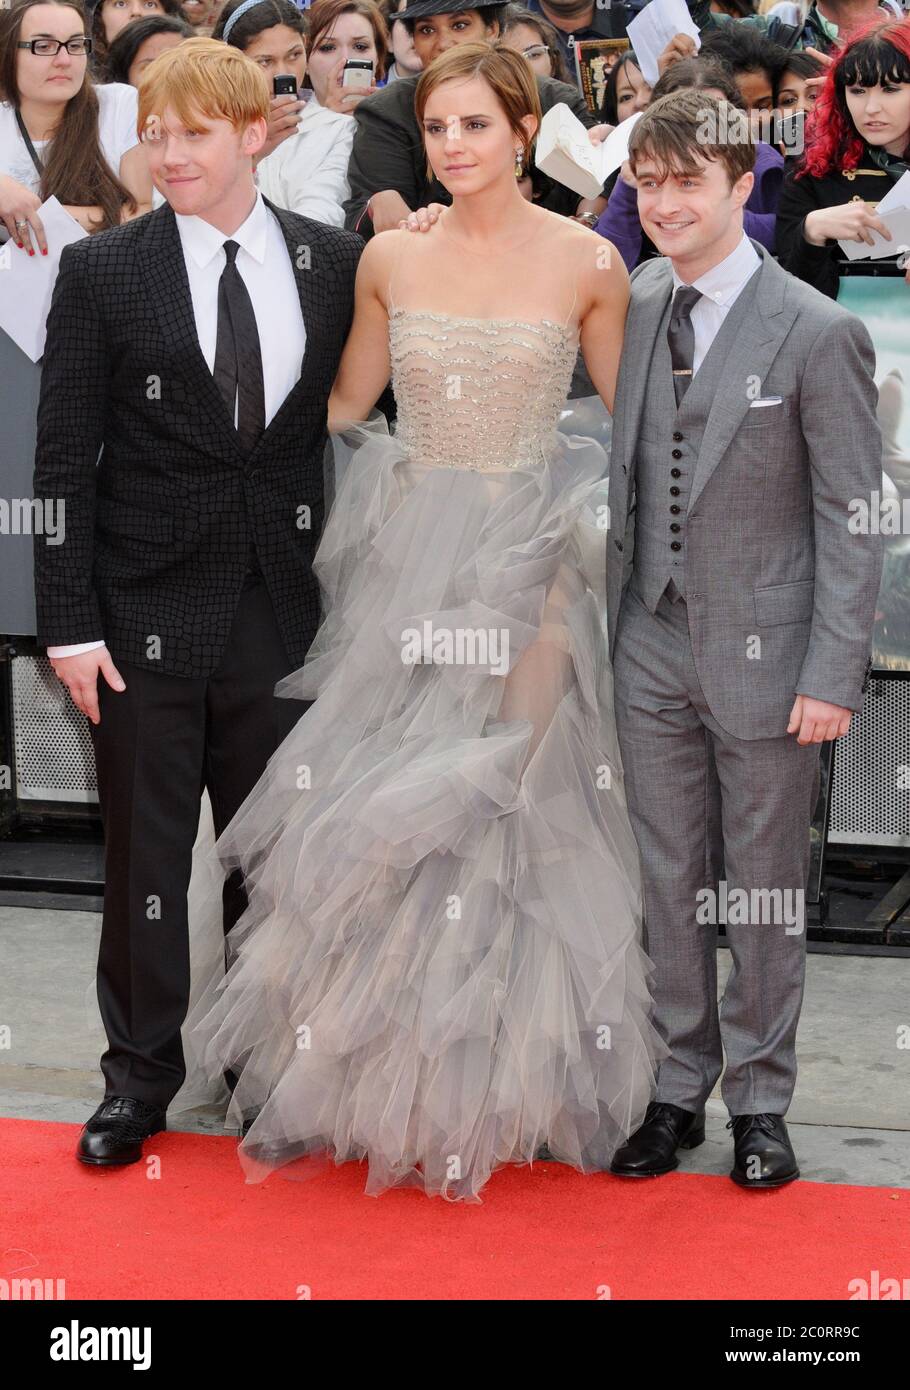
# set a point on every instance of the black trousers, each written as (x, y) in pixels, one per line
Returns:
(158, 745)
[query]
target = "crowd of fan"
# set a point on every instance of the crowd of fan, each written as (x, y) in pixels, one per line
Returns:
(826, 92)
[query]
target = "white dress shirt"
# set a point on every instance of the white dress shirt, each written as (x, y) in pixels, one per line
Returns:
(720, 287)
(266, 270)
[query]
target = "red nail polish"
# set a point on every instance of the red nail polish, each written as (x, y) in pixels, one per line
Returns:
(44, 252)
(19, 244)
(31, 253)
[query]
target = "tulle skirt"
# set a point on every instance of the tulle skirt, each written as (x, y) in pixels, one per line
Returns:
(440, 969)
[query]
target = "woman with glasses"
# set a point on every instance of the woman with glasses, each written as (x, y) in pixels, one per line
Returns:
(536, 39)
(60, 135)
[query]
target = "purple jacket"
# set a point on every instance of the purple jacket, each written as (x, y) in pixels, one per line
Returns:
(619, 220)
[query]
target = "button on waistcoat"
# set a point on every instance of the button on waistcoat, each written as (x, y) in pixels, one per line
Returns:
(667, 450)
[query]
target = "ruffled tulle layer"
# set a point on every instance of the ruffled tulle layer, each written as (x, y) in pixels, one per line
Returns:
(440, 969)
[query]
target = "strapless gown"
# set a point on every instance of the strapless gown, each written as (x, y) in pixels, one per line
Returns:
(441, 968)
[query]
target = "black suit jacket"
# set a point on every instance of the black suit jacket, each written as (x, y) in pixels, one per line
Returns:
(158, 529)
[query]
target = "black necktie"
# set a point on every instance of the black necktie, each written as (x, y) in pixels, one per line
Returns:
(681, 337)
(238, 359)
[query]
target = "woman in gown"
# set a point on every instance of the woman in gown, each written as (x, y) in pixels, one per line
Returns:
(440, 970)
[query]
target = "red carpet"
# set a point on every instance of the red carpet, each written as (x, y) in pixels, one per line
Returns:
(200, 1231)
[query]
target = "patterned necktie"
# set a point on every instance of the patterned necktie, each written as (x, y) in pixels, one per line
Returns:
(681, 338)
(238, 358)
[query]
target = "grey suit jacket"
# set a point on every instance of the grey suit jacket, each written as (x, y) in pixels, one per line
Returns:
(768, 549)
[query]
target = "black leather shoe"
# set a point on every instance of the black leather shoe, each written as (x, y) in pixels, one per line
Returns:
(115, 1132)
(764, 1156)
(651, 1150)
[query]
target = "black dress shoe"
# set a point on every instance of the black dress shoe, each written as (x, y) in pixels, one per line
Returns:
(651, 1150)
(115, 1132)
(764, 1156)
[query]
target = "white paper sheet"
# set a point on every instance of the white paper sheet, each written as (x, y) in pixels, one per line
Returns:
(27, 282)
(615, 149)
(653, 28)
(898, 223)
(898, 197)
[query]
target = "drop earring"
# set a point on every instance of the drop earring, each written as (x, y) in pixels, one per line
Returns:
(519, 168)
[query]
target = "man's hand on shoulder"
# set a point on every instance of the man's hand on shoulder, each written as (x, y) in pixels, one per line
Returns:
(80, 676)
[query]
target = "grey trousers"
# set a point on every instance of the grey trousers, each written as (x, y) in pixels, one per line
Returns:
(703, 803)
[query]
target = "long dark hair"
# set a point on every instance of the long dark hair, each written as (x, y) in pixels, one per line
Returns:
(75, 169)
(100, 47)
(122, 52)
(745, 50)
(266, 15)
(609, 109)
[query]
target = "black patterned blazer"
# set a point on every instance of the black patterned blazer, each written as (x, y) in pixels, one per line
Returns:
(157, 530)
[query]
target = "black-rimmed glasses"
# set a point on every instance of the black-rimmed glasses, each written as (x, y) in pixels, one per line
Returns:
(49, 48)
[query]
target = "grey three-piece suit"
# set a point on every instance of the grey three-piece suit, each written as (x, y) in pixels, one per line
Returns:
(734, 584)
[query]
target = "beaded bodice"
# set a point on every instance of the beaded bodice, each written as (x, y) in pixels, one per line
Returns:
(475, 392)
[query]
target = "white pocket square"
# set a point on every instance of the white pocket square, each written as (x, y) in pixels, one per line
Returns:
(766, 400)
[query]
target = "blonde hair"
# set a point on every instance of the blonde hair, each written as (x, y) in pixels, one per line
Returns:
(204, 77)
(508, 73)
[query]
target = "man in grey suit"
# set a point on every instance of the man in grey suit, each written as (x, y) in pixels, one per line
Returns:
(740, 610)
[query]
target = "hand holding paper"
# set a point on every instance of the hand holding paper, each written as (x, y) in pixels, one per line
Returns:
(898, 223)
(894, 213)
(653, 28)
(27, 282)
